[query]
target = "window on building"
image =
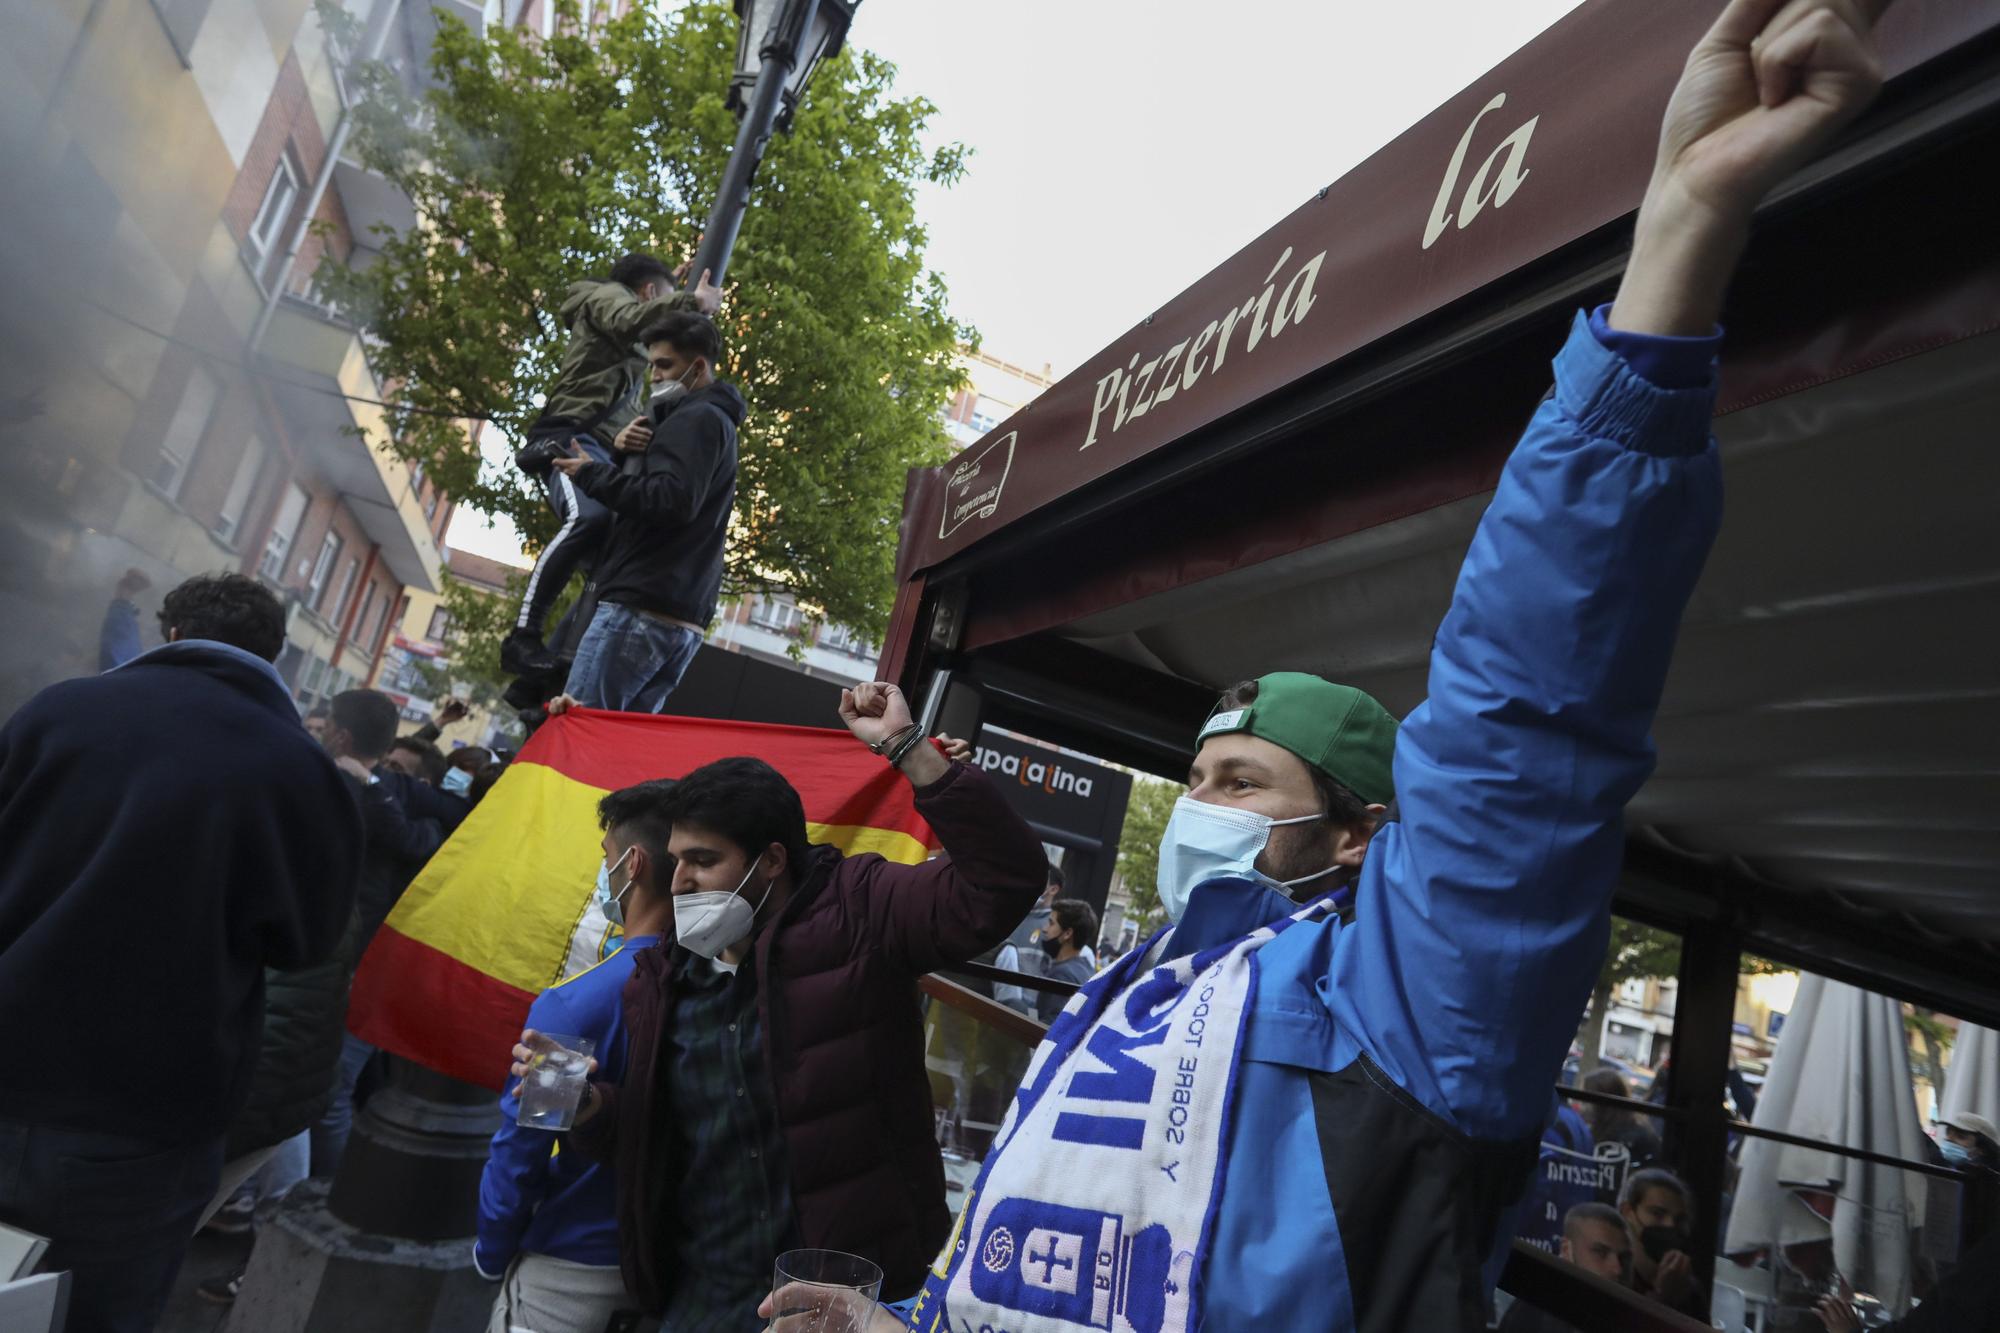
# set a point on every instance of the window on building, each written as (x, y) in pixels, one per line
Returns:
(279, 196)
(440, 623)
(229, 520)
(375, 627)
(314, 677)
(283, 529)
(346, 593)
(185, 429)
(986, 414)
(431, 507)
(329, 556)
(367, 607)
(772, 614)
(843, 639)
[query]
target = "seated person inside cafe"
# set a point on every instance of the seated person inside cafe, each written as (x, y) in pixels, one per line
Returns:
(1312, 1104)
(774, 1092)
(1595, 1239)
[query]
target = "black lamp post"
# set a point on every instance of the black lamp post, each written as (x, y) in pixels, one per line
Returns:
(779, 45)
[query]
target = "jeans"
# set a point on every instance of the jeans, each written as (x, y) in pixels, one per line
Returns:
(118, 1213)
(584, 525)
(268, 1173)
(329, 1136)
(629, 663)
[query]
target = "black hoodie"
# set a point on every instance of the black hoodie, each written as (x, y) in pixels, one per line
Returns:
(671, 514)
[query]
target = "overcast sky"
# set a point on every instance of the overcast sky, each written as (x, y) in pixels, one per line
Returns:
(1122, 148)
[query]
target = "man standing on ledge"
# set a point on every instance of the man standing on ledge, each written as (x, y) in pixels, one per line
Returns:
(599, 390)
(661, 571)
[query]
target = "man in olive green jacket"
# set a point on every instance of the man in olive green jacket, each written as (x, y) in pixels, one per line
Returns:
(601, 387)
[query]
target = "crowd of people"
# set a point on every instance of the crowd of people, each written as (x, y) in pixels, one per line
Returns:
(1313, 1103)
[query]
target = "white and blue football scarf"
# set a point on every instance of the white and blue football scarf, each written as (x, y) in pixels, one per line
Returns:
(1096, 1203)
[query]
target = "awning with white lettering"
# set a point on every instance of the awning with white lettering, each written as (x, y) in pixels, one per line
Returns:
(1190, 508)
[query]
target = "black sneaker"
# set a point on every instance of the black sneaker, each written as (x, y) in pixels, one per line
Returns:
(538, 458)
(222, 1290)
(234, 1218)
(522, 653)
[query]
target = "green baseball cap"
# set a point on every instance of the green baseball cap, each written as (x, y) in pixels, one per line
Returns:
(1337, 729)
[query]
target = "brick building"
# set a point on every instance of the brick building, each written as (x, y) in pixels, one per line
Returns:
(172, 399)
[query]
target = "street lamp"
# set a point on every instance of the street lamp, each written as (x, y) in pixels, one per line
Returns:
(778, 46)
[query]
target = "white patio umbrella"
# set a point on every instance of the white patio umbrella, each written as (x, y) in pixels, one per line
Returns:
(1972, 1079)
(1841, 1075)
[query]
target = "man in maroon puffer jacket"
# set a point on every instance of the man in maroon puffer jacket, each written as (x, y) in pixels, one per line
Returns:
(775, 1094)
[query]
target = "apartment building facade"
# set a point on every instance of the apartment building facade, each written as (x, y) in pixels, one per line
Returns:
(176, 400)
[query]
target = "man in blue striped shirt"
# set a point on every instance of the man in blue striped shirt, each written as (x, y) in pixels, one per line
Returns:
(548, 1225)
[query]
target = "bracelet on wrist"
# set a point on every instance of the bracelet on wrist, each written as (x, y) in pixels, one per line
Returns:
(902, 751)
(895, 738)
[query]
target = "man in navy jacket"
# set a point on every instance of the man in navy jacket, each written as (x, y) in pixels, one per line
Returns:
(167, 831)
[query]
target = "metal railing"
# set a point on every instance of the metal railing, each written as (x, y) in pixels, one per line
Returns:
(1583, 1300)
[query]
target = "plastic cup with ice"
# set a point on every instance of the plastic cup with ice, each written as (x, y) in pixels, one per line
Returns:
(553, 1086)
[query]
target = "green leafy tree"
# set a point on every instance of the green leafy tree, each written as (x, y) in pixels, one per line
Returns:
(533, 162)
(1139, 845)
(1636, 953)
(1932, 1037)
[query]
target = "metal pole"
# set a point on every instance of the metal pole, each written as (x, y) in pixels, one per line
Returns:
(760, 118)
(1710, 962)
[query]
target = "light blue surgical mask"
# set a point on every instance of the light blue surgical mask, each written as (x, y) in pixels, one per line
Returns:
(1956, 1153)
(613, 904)
(1205, 842)
(457, 780)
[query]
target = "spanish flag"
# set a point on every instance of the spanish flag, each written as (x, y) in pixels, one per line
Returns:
(506, 909)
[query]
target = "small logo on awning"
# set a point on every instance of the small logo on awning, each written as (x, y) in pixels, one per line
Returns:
(972, 488)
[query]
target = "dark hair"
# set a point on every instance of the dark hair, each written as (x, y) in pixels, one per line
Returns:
(1055, 876)
(1640, 1183)
(429, 754)
(471, 758)
(1607, 1121)
(320, 711)
(1342, 806)
(638, 814)
(226, 608)
(746, 801)
(369, 719)
(638, 268)
(1591, 1212)
(1078, 917)
(688, 333)
(482, 781)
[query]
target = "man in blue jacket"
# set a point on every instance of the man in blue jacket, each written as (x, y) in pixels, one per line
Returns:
(548, 1220)
(1312, 1105)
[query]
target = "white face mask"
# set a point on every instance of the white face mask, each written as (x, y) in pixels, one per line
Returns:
(613, 903)
(668, 392)
(707, 923)
(1204, 842)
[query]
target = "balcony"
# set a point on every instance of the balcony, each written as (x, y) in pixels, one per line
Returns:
(327, 393)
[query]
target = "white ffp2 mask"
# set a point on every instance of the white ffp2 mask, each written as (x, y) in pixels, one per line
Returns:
(707, 923)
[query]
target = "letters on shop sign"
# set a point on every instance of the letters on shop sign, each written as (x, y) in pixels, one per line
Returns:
(1126, 394)
(1131, 393)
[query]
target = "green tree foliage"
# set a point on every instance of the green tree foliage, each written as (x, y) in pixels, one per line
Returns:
(534, 162)
(1139, 845)
(1636, 952)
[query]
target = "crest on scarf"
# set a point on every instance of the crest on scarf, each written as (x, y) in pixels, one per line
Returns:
(1079, 1265)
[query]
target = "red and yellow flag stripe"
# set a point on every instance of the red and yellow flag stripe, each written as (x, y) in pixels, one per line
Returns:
(492, 919)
